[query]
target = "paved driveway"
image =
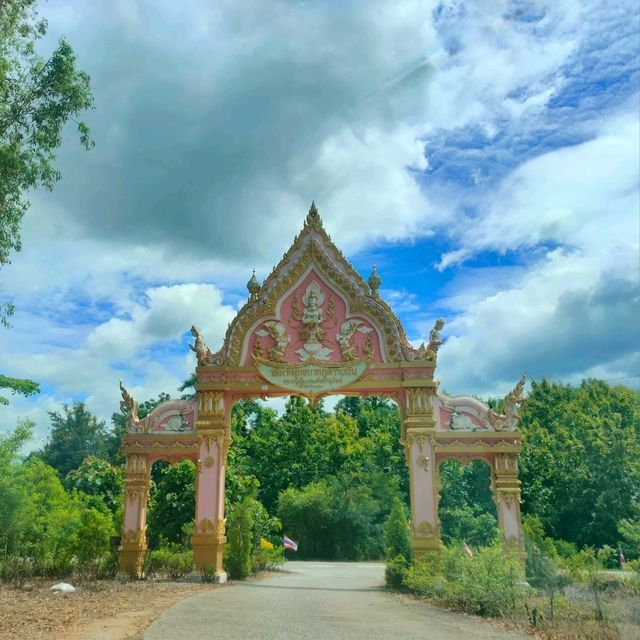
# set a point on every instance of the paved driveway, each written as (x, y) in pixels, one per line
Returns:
(313, 601)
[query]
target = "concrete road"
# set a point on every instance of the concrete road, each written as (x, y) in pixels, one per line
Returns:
(313, 601)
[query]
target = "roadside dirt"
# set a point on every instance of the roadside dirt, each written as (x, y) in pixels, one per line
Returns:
(103, 610)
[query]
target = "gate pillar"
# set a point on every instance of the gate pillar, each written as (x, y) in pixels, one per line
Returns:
(507, 497)
(419, 444)
(208, 537)
(134, 527)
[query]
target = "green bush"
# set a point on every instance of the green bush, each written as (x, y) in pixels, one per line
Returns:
(425, 577)
(633, 581)
(266, 559)
(485, 584)
(172, 561)
(396, 536)
(488, 583)
(237, 557)
(395, 572)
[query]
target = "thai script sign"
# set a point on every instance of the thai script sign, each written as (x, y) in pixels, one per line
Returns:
(311, 379)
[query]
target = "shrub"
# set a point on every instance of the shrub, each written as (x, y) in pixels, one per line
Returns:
(237, 559)
(633, 567)
(488, 583)
(172, 561)
(395, 572)
(266, 559)
(397, 538)
(425, 577)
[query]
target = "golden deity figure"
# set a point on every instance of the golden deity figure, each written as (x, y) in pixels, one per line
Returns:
(312, 332)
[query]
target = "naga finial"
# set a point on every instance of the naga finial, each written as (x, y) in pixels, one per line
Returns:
(129, 406)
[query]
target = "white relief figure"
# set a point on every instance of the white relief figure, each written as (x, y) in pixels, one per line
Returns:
(177, 424)
(347, 331)
(279, 334)
(311, 331)
(462, 422)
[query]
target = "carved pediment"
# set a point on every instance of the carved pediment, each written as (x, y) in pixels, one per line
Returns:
(315, 306)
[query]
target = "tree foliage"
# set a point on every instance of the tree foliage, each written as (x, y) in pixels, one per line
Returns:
(75, 434)
(20, 386)
(38, 97)
(580, 464)
(171, 503)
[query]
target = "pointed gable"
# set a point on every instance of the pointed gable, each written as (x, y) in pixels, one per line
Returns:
(314, 277)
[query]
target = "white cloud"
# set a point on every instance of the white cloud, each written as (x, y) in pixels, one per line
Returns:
(572, 311)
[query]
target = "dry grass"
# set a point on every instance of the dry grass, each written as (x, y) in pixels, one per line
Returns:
(108, 609)
(575, 620)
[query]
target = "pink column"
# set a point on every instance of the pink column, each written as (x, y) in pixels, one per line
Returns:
(507, 496)
(419, 439)
(208, 536)
(134, 527)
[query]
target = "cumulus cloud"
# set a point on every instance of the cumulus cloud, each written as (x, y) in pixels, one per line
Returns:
(497, 133)
(573, 309)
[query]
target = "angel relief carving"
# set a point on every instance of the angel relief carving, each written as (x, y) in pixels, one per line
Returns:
(281, 338)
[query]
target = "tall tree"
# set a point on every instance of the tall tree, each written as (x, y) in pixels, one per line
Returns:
(37, 98)
(580, 464)
(75, 434)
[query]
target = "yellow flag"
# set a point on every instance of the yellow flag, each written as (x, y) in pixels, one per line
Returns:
(265, 544)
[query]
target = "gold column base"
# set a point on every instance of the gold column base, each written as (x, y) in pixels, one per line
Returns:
(131, 561)
(420, 546)
(207, 553)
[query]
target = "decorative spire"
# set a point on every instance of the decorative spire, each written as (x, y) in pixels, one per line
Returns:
(254, 286)
(313, 217)
(374, 281)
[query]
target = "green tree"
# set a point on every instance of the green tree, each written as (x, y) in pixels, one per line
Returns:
(20, 386)
(172, 503)
(580, 464)
(467, 510)
(96, 477)
(14, 513)
(396, 536)
(240, 537)
(38, 97)
(75, 434)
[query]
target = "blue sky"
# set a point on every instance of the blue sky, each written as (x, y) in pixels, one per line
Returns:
(484, 155)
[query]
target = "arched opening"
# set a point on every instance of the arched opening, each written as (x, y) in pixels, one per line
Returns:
(328, 471)
(466, 508)
(171, 506)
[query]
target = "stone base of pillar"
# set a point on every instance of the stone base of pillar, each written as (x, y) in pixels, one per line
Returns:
(216, 578)
(131, 562)
(420, 546)
(207, 555)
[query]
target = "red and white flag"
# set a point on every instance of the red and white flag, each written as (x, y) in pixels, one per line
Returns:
(288, 543)
(467, 549)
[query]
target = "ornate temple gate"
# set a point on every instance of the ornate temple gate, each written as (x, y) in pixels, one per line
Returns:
(314, 328)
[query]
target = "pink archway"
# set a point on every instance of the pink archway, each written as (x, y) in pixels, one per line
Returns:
(314, 328)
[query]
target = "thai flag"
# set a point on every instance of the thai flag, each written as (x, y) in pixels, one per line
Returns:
(621, 557)
(288, 543)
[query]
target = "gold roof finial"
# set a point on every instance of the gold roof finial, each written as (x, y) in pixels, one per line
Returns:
(313, 217)
(254, 286)
(374, 281)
